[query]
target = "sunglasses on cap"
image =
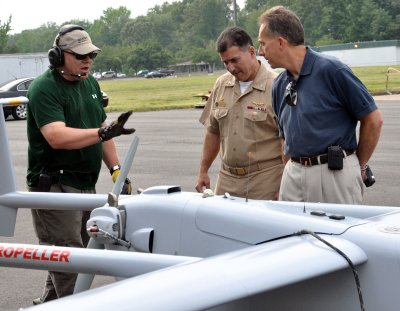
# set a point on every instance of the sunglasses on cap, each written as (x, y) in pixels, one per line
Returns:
(290, 94)
(91, 55)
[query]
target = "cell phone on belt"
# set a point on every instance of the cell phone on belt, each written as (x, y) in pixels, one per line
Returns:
(44, 182)
(335, 158)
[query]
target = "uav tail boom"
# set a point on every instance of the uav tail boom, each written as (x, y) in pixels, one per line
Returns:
(8, 215)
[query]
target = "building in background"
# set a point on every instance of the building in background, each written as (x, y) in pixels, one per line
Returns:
(360, 54)
(14, 66)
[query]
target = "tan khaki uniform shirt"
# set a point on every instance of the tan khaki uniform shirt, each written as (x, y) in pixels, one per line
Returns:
(246, 124)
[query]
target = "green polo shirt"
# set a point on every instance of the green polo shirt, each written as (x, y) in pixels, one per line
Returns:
(77, 104)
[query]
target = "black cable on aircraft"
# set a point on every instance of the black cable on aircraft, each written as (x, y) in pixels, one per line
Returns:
(315, 235)
(355, 272)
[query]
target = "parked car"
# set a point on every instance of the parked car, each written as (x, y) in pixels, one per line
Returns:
(142, 73)
(15, 88)
(155, 74)
(108, 74)
(121, 75)
(97, 75)
(18, 89)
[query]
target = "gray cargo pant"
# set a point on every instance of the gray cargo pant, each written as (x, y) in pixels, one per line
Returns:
(61, 228)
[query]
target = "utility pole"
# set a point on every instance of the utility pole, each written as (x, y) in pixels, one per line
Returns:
(234, 13)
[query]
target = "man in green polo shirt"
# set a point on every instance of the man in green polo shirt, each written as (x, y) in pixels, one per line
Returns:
(68, 139)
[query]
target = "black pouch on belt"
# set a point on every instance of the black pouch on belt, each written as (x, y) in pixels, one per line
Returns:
(44, 183)
(335, 158)
(370, 180)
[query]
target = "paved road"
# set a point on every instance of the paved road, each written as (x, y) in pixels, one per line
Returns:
(169, 153)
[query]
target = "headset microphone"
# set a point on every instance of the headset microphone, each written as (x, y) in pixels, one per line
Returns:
(73, 75)
(77, 75)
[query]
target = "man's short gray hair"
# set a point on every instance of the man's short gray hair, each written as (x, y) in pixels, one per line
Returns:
(282, 22)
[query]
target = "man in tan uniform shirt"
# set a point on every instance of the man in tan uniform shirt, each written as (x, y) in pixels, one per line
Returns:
(241, 124)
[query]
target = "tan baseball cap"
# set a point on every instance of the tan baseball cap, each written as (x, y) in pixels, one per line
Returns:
(76, 40)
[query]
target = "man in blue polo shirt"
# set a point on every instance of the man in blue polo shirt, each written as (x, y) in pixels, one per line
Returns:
(318, 102)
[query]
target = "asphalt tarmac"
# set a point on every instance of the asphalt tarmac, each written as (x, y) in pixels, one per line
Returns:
(169, 154)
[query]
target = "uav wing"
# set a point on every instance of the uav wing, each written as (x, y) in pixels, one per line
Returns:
(219, 279)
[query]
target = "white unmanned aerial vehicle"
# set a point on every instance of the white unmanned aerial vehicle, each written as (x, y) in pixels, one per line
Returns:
(181, 251)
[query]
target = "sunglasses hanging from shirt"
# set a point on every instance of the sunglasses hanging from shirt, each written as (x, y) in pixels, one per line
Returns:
(290, 94)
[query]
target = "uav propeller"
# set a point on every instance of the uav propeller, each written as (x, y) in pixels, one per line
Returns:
(84, 281)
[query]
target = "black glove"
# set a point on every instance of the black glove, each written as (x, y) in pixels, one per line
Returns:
(116, 128)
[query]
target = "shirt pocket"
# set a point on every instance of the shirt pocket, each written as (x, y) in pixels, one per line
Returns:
(220, 115)
(256, 125)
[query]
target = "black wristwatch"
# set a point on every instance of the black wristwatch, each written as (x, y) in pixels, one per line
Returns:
(114, 168)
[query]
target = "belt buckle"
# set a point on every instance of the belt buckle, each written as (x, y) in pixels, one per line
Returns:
(305, 161)
(238, 170)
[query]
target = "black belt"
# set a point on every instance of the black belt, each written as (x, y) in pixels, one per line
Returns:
(321, 159)
(55, 176)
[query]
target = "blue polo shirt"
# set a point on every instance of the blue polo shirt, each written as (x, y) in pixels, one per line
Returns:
(330, 101)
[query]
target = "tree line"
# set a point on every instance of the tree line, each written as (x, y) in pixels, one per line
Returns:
(185, 31)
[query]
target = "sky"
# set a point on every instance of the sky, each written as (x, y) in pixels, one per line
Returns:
(31, 14)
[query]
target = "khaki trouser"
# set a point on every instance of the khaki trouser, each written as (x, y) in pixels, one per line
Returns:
(61, 228)
(259, 185)
(319, 184)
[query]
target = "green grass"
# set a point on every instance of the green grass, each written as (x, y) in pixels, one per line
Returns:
(178, 93)
(375, 78)
(156, 94)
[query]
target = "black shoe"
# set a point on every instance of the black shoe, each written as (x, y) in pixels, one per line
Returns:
(41, 300)
(37, 301)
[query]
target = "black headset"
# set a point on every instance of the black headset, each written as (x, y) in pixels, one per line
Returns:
(55, 54)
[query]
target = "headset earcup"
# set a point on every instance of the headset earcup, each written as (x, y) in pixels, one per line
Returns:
(56, 57)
